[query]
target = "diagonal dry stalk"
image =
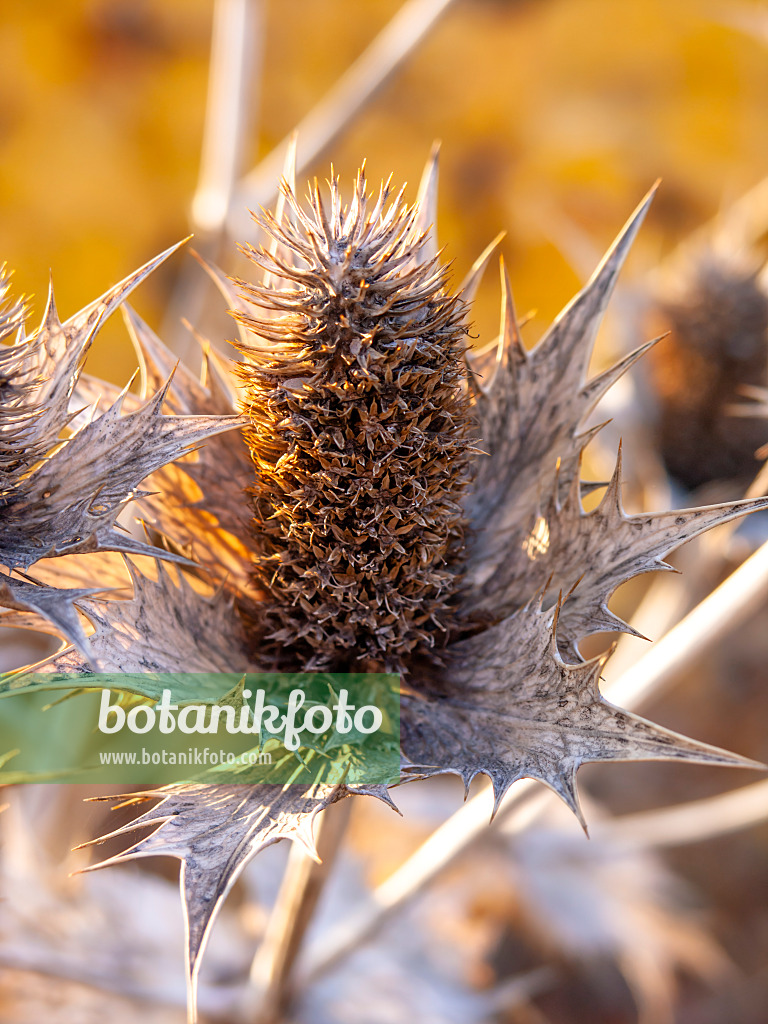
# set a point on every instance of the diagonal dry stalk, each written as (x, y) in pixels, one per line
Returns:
(743, 593)
(233, 94)
(690, 822)
(224, 195)
(337, 110)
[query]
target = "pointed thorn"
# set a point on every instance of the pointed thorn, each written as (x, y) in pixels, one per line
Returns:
(572, 589)
(575, 328)
(610, 622)
(595, 388)
(511, 350)
(470, 284)
(612, 262)
(305, 839)
(611, 500)
(113, 297)
(499, 792)
(426, 206)
(574, 802)
(50, 316)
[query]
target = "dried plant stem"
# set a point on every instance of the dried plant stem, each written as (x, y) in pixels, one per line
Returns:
(690, 822)
(713, 548)
(741, 594)
(232, 97)
(233, 94)
(435, 854)
(302, 885)
(333, 114)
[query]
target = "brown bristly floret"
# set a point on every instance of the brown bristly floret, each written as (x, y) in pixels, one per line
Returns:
(360, 432)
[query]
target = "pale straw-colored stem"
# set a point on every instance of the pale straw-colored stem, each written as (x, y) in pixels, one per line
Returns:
(338, 108)
(230, 123)
(690, 822)
(434, 855)
(740, 595)
(233, 85)
(302, 885)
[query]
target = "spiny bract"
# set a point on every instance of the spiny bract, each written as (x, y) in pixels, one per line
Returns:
(404, 500)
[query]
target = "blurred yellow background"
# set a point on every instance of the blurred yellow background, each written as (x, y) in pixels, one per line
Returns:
(555, 116)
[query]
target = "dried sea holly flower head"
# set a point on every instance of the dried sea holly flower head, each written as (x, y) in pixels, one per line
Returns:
(360, 425)
(381, 495)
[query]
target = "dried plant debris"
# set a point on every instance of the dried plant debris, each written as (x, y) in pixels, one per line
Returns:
(717, 308)
(388, 502)
(610, 901)
(100, 940)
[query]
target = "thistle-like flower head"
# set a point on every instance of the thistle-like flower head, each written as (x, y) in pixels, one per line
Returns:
(360, 420)
(368, 493)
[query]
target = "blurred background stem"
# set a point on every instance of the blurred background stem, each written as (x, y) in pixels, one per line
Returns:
(303, 883)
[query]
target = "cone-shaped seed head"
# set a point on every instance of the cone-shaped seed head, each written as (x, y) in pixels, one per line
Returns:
(360, 432)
